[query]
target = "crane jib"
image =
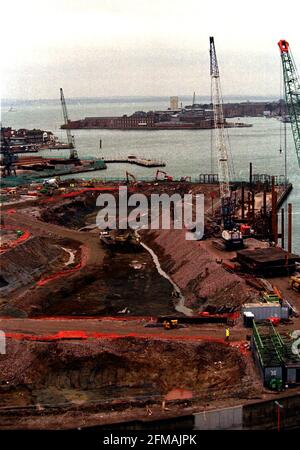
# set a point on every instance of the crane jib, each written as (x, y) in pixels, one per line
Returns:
(292, 92)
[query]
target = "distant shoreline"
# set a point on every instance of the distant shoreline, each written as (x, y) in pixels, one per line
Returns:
(137, 99)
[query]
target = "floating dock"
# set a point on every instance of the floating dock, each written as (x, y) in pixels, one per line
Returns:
(143, 162)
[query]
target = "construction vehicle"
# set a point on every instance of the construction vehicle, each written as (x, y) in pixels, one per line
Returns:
(295, 282)
(166, 177)
(231, 236)
(233, 239)
(170, 324)
(120, 239)
(245, 229)
(70, 138)
(292, 92)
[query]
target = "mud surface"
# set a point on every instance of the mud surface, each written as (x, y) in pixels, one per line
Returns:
(126, 283)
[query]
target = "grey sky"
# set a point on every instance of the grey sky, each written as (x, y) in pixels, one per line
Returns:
(143, 47)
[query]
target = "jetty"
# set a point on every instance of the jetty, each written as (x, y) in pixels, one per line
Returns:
(139, 161)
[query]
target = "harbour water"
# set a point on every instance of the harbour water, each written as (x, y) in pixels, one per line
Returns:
(186, 152)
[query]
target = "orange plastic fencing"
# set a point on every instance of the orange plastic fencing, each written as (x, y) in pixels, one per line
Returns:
(241, 346)
(15, 242)
(79, 192)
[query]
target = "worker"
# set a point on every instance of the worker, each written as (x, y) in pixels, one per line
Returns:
(227, 334)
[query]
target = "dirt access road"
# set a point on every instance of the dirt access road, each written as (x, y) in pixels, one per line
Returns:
(23, 220)
(42, 328)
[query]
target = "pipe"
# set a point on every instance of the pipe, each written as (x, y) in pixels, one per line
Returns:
(249, 206)
(253, 207)
(290, 236)
(265, 219)
(274, 213)
(282, 228)
(265, 204)
(243, 201)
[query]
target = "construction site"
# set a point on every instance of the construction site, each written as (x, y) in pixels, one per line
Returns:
(136, 327)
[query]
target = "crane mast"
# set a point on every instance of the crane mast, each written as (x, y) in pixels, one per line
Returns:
(292, 92)
(73, 152)
(220, 135)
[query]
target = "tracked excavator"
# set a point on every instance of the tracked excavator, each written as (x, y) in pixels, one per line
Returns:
(166, 177)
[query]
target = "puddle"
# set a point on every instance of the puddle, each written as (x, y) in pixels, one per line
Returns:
(71, 256)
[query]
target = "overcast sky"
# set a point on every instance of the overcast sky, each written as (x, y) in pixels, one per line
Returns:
(143, 47)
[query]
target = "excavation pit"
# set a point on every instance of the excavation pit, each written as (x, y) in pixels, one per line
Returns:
(42, 378)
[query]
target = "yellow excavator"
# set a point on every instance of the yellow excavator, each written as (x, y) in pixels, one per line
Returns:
(170, 324)
(295, 282)
(166, 177)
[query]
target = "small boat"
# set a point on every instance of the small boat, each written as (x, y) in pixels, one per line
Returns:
(285, 119)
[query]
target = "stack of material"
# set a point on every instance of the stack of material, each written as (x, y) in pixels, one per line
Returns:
(271, 260)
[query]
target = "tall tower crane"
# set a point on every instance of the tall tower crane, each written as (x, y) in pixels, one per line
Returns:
(220, 135)
(292, 91)
(222, 150)
(73, 152)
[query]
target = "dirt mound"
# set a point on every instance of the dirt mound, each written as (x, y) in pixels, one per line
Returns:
(70, 213)
(20, 265)
(195, 270)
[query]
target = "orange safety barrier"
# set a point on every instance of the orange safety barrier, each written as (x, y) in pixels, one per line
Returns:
(81, 191)
(15, 242)
(79, 334)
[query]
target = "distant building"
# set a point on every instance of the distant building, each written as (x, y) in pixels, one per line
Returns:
(173, 103)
